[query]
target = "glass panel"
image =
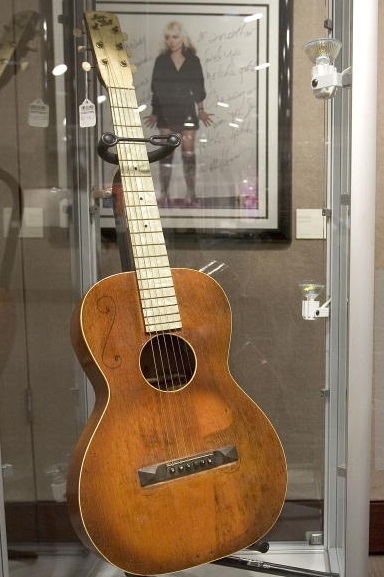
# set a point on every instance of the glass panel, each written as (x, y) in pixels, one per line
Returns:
(50, 177)
(38, 396)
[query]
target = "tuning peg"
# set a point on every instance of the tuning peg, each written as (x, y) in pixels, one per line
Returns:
(24, 66)
(78, 32)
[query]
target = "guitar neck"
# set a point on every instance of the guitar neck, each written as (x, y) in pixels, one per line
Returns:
(154, 277)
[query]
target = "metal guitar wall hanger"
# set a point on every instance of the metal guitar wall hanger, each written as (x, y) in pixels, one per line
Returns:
(166, 142)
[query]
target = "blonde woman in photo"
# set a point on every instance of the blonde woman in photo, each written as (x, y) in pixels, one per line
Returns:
(178, 95)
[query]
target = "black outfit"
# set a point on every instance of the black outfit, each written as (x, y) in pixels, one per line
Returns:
(176, 92)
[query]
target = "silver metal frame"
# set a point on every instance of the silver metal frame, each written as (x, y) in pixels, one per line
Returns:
(352, 190)
(352, 169)
(361, 290)
(339, 128)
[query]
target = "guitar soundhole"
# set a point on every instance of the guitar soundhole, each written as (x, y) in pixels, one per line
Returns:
(167, 362)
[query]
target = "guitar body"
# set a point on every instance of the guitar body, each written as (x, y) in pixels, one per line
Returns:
(168, 477)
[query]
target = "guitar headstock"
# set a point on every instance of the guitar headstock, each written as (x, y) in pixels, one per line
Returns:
(107, 43)
(14, 42)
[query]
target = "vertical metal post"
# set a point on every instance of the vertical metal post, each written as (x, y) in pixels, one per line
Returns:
(363, 190)
(339, 170)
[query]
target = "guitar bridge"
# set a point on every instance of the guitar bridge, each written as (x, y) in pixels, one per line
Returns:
(163, 472)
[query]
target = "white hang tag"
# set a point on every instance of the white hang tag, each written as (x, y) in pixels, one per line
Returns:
(38, 114)
(87, 112)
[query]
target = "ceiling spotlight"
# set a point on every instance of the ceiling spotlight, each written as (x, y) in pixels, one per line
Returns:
(325, 77)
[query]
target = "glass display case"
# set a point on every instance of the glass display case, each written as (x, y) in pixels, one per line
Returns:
(256, 194)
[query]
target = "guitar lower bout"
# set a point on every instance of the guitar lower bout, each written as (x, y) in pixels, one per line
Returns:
(162, 450)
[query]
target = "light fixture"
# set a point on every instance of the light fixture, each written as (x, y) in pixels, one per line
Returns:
(310, 308)
(325, 77)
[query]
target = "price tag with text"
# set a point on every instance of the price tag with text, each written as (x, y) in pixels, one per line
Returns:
(87, 112)
(38, 115)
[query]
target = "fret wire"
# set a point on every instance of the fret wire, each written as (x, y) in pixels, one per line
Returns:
(149, 308)
(160, 318)
(158, 283)
(149, 263)
(153, 310)
(163, 326)
(141, 252)
(149, 239)
(163, 292)
(146, 278)
(143, 273)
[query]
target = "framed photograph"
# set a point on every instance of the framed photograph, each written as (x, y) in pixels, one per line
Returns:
(229, 97)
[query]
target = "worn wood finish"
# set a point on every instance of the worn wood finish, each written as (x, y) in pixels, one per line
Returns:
(194, 519)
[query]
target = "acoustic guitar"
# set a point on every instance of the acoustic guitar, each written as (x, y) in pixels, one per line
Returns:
(176, 466)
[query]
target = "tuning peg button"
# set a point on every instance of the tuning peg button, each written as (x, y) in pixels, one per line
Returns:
(86, 66)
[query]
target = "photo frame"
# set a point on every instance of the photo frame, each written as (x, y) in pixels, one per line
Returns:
(243, 160)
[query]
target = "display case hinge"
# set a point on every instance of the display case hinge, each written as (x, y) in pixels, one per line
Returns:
(326, 212)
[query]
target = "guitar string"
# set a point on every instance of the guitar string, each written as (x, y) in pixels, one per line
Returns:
(118, 108)
(167, 353)
(147, 279)
(159, 343)
(180, 355)
(163, 370)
